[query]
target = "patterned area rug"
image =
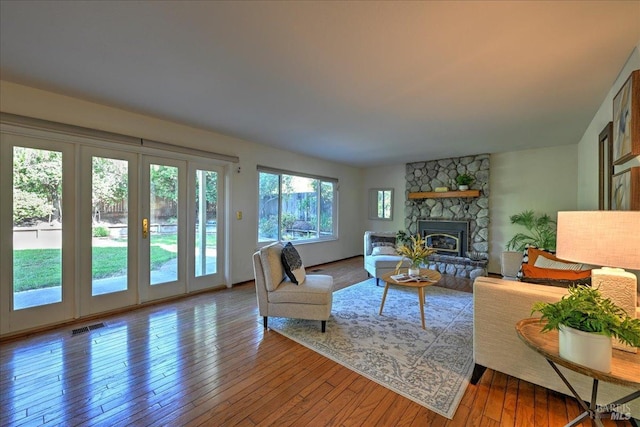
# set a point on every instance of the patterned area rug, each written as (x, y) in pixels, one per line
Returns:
(432, 367)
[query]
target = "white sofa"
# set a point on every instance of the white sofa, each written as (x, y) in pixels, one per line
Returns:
(498, 305)
(377, 265)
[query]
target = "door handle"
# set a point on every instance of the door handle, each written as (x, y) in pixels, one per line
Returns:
(145, 228)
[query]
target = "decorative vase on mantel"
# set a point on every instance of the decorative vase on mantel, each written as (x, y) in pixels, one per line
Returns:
(463, 187)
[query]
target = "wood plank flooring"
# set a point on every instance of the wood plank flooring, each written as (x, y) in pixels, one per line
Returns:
(205, 360)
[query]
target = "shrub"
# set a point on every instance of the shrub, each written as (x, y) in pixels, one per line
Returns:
(268, 228)
(287, 221)
(100, 231)
(29, 208)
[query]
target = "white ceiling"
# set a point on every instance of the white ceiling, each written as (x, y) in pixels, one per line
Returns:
(363, 83)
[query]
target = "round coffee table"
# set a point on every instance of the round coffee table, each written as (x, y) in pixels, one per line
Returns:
(431, 277)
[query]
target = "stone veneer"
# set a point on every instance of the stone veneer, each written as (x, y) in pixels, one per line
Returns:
(427, 176)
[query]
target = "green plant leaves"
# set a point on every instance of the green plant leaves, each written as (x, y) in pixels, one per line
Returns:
(585, 309)
(541, 227)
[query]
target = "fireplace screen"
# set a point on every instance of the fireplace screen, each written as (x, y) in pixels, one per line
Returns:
(447, 237)
(443, 242)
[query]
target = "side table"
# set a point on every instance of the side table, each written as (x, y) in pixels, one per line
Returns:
(625, 370)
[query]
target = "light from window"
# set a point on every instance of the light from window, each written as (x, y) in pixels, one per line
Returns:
(292, 207)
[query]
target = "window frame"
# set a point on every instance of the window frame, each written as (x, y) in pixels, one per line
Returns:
(374, 195)
(322, 180)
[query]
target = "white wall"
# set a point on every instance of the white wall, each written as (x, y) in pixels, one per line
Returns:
(385, 177)
(544, 180)
(588, 145)
(27, 101)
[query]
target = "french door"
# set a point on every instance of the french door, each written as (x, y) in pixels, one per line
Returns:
(37, 232)
(163, 223)
(88, 229)
(108, 232)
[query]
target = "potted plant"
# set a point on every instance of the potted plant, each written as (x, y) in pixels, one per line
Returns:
(586, 322)
(402, 238)
(463, 181)
(416, 251)
(542, 231)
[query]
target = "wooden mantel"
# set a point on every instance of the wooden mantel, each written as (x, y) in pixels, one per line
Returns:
(444, 194)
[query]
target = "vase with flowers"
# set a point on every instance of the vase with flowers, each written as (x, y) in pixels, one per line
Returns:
(416, 251)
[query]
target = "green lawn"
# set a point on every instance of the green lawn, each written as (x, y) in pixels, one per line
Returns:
(40, 268)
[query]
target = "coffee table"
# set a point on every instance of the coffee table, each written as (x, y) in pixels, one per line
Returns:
(432, 275)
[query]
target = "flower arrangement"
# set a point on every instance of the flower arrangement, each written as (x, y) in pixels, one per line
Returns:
(415, 250)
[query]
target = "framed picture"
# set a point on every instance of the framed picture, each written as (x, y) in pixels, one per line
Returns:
(626, 120)
(605, 169)
(626, 190)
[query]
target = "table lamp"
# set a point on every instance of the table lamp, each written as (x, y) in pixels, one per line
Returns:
(610, 239)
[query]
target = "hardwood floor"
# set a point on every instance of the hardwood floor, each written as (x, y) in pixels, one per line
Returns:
(206, 361)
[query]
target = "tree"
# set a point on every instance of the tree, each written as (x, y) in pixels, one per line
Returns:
(110, 183)
(210, 181)
(39, 172)
(164, 182)
(29, 207)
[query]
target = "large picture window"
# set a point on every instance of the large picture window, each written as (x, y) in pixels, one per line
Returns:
(295, 207)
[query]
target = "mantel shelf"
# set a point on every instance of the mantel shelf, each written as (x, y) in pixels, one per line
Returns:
(444, 194)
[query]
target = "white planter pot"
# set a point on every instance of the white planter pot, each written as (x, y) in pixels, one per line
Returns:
(585, 348)
(414, 272)
(463, 187)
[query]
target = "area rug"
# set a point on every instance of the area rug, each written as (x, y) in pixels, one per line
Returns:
(432, 367)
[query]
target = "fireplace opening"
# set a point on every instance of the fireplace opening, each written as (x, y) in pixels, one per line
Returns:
(443, 242)
(447, 237)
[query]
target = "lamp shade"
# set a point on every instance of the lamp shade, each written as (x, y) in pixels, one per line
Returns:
(603, 238)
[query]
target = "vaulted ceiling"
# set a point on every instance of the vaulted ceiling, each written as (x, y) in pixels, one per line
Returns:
(363, 83)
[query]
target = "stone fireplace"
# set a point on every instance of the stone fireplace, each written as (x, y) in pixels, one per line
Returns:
(455, 225)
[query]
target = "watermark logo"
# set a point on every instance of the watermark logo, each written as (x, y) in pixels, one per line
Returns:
(618, 412)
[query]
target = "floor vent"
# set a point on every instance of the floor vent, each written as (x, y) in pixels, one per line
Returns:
(316, 270)
(87, 328)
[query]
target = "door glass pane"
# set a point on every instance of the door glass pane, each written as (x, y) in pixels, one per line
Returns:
(163, 223)
(206, 222)
(110, 210)
(37, 227)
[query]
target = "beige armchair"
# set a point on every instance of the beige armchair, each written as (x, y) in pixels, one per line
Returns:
(279, 297)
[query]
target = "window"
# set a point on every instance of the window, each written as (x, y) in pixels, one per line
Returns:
(294, 207)
(381, 203)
